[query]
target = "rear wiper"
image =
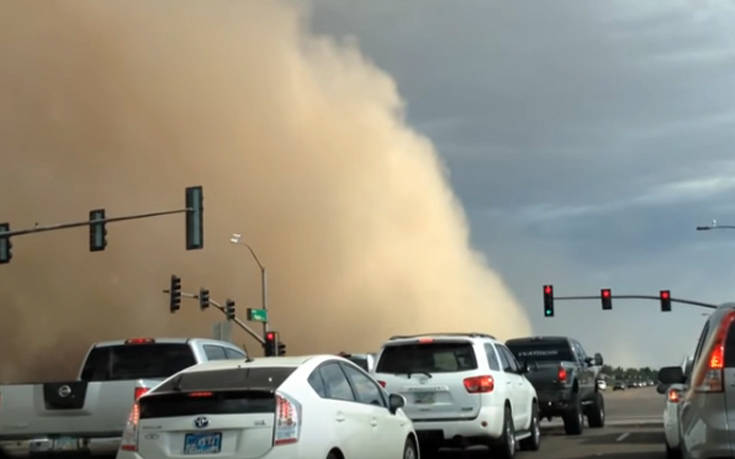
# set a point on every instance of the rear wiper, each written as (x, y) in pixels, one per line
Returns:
(419, 372)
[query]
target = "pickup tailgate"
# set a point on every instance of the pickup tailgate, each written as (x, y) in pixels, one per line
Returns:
(63, 408)
(550, 376)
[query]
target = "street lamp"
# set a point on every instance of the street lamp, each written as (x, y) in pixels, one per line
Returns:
(714, 226)
(237, 239)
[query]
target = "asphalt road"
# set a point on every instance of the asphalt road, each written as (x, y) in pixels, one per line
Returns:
(633, 430)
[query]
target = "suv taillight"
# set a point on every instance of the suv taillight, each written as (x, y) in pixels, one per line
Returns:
(674, 396)
(288, 420)
(562, 374)
(479, 384)
(129, 440)
(710, 374)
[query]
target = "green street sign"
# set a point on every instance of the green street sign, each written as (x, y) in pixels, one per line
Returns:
(258, 315)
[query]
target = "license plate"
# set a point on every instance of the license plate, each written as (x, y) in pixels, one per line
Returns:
(423, 397)
(202, 443)
(65, 444)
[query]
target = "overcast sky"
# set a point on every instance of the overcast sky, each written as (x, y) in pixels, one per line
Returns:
(586, 141)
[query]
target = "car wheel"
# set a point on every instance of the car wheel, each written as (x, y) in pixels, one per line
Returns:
(574, 418)
(533, 443)
(507, 443)
(596, 414)
(332, 455)
(409, 450)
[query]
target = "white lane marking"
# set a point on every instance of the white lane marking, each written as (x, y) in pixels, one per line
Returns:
(623, 437)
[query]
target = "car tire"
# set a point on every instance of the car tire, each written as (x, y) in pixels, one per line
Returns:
(574, 418)
(533, 443)
(596, 413)
(409, 450)
(506, 445)
(332, 455)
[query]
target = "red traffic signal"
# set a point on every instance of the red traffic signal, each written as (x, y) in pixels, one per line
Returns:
(271, 344)
(606, 298)
(548, 301)
(665, 297)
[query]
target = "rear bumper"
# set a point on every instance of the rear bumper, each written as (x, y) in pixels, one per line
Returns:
(94, 446)
(554, 403)
(293, 451)
(487, 425)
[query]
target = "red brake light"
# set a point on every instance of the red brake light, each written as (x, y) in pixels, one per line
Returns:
(139, 392)
(709, 373)
(479, 384)
(562, 374)
(382, 384)
(140, 341)
(426, 340)
(129, 441)
(674, 395)
(201, 394)
(717, 357)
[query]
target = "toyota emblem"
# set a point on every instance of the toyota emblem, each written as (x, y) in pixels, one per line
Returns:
(64, 391)
(201, 422)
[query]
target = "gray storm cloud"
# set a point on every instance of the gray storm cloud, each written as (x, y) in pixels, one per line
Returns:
(299, 143)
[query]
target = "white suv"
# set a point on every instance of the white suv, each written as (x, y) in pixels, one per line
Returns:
(461, 389)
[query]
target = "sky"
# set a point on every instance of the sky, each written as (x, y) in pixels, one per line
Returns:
(585, 140)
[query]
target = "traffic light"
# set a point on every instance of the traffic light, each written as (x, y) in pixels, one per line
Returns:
(97, 230)
(175, 292)
(281, 348)
(271, 344)
(230, 309)
(203, 298)
(606, 298)
(665, 296)
(548, 301)
(194, 218)
(5, 245)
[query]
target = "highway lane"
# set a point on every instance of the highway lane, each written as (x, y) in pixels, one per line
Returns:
(633, 431)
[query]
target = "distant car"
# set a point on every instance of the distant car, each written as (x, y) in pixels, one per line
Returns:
(271, 408)
(707, 413)
(364, 361)
(632, 385)
(674, 394)
(601, 384)
(462, 389)
(619, 385)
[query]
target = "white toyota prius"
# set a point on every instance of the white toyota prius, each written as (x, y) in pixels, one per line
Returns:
(279, 407)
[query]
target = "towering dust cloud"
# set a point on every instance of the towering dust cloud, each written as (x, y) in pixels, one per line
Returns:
(299, 143)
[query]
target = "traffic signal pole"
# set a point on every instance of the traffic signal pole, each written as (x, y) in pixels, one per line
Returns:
(640, 297)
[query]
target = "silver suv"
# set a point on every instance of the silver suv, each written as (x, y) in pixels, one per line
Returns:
(461, 389)
(707, 410)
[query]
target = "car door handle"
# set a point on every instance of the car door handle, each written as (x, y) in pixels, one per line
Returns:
(374, 422)
(340, 417)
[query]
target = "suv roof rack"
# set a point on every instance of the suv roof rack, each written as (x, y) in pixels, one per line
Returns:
(471, 335)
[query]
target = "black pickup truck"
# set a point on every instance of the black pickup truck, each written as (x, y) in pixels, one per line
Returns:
(565, 379)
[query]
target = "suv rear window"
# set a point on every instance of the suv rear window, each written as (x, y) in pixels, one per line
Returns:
(437, 357)
(133, 361)
(540, 351)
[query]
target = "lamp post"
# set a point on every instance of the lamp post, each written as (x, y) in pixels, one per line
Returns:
(237, 239)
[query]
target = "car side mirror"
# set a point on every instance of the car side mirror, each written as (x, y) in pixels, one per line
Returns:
(671, 375)
(598, 360)
(523, 368)
(395, 401)
(661, 388)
